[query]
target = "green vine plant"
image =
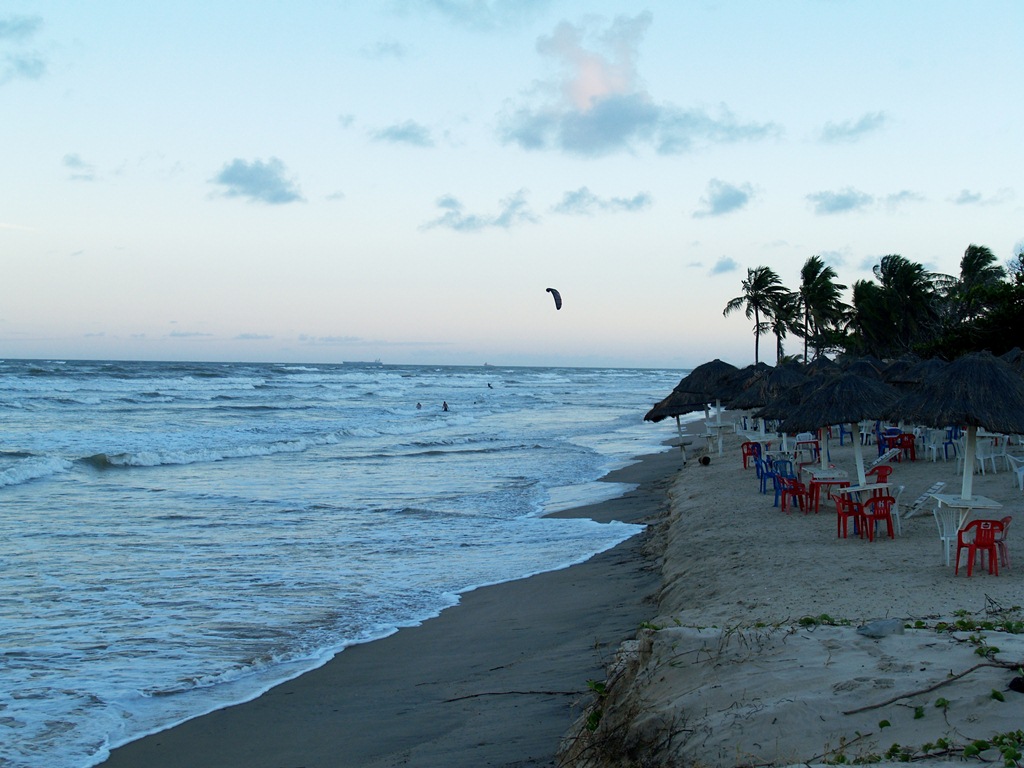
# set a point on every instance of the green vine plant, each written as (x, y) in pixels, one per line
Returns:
(1009, 746)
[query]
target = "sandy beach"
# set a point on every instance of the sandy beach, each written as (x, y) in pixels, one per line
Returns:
(740, 668)
(727, 635)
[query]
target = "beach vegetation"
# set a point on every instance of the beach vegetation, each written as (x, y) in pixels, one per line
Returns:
(905, 308)
(761, 289)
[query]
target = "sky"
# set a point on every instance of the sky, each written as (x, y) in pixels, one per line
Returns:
(242, 180)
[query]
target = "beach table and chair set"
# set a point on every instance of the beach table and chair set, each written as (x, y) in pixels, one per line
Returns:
(877, 502)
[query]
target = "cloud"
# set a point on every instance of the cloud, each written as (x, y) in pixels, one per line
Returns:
(28, 66)
(967, 197)
(19, 28)
(80, 170)
(258, 181)
(188, 334)
(722, 198)
(853, 130)
(848, 199)
(385, 49)
(252, 337)
(598, 105)
(483, 14)
(897, 199)
(409, 132)
(346, 120)
(514, 210)
(723, 265)
(583, 201)
(329, 339)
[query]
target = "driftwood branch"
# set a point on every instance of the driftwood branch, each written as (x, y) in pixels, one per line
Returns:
(931, 688)
(513, 693)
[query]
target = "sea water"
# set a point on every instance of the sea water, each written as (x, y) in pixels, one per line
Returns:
(178, 537)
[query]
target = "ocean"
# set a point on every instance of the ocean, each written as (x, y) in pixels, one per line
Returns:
(179, 537)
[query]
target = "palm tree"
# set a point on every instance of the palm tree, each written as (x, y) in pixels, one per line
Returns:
(897, 313)
(785, 317)
(759, 290)
(979, 274)
(819, 300)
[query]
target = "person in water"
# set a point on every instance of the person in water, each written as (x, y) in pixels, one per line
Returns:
(444, 405)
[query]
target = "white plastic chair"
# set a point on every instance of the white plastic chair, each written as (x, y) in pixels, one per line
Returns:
(947, 520)
(933, 444)
(897, 525)
(986, 451)
(1016, 465)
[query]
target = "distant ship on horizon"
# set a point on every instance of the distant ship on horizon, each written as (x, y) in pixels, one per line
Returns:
(364, 363)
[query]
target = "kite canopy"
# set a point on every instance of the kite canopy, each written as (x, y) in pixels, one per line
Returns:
(557, 297)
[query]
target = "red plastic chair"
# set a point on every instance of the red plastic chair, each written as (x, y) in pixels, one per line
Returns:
(880, 473)
(907, 444)
(979, 537)
(878, 509)
(846, 509)
(795, 491)
(749, 451)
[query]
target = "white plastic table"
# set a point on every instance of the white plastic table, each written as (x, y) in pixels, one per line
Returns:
(964, 506)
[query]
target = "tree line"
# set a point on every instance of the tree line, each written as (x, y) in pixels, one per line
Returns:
(905, 308)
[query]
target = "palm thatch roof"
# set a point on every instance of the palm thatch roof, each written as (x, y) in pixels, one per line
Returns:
(766, 386)
(783, 403)
(976, 390)
(708, 381)
(864, 367)
(821, 365)
(841, 399)
(897, 369)
(676, 404)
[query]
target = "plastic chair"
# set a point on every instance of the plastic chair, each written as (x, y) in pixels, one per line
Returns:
(897, 520)
(1016, 465)
(978, 537)
(764, 473)
(844, 433)
(947, 520)
(749, 451)
(846, 509)
(875, 510)
(933, 445)
(880, 473)
(952, 433)
(1004, 552)
(795, 491)
(907, 443)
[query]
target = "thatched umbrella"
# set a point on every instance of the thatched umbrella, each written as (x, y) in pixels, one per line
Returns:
(864, 367)
(762, 388)
(711, 381)
(821, 365)
(708, 381)
(895, 370)
(843, 399)
(676, 404)
(976, 390)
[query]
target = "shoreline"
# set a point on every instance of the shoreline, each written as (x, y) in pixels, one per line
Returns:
(496, 680)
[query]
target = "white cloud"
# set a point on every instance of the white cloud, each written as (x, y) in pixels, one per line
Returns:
(583, 201)
(598, 106)
(722, 198)
(514, 210)
(853, 130)
(409, 132)
(258, 181)
(723, 265)
(843, 201)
